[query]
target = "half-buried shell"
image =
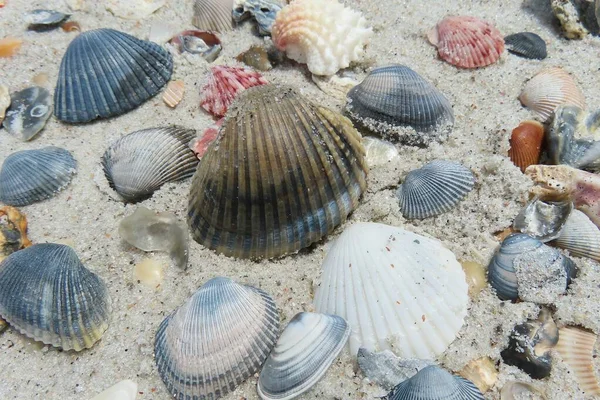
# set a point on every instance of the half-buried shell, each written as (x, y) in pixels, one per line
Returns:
(527, 45)
(29, 176)
(105, 73)
(28, 112)
(267, 201)
(580, 236)
(48, 295)
(526, 144)
(576, 347)
(216, 340)
(302, 355)
(543, 220)
(213, 15)
(140, 163)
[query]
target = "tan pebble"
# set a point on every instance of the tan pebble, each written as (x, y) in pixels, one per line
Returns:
(149, 272)
(9, 46)
(482, 372)
(475, 277)
(174, 93)
(4, 101)
(40, 79)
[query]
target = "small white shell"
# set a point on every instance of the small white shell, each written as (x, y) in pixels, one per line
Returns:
(580, 236)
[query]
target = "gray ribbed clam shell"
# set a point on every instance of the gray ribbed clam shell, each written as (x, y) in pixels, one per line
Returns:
(139, 163)
(105, 73)
(434, 189)
(396, 95)
(216, 340)
(543, 220)
(580, 236)
(302, 355)
(435, 383)
(40, 18)
(527, 45)
(28, 112)
(47, 294)
(282, 174)
(29, 176)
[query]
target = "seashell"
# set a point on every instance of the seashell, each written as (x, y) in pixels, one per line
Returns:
(515, 390)
(173, 93)
(28, 113)
(264, 11)
(40, 20)
(530, 345)
(13, 231)
(396, 96)
(387, 370)
(9, 46)
(549, 89)
(481, 372)
(304, 197)
(148, 272)
(48, 295)
(526, 144)
(213, 15)
(4, 101)
(543, 220)
(580, 236)
(434, 189)
(475, 275)
(140, 163)
(200, 144)
(133, 9)
(576, 347)
(105, 73)
(399, 291)
(256, 57)
(467, 42)
(151, 231)
(304, 30)
(435, 383)
(216, 340)
(124, 390)
(302, 355)
(526, 45)
(379, 152)
(29, 176)
(71, 26)
(570, 16)
(207, 44)
(3, 325)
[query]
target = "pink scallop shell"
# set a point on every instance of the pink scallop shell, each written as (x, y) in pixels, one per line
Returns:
(467, 42)
(223, 85)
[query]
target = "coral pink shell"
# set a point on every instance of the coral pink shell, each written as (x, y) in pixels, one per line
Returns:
(467, 42)
(200, 144)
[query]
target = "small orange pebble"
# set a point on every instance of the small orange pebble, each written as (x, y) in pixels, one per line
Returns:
(9, 46)
(71, 26)
(2, 3)
(526, 144)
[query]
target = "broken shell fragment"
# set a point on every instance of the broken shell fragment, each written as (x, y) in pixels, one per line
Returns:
(71, 26)
(379, 152)
(207, 44)
(200, 144)
(515, 390)
(580, 236)
(475, 277)
(149, 272)
(386, 369)
(576, 347)
(526, 45)
(482, 372)
(9, 46)
(13, 231)
(213, 15)
(124, 390)
(173, 93)
(526, 144)
(256, 57)
(28, 112)
(39, 20)
(264, 11)
(4, 101)
(133, 9)
(543, 220)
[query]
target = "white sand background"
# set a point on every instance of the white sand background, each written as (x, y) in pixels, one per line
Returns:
(486, 110)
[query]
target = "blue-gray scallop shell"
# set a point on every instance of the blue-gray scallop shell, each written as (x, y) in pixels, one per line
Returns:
(28, 112)
(48, 295)
(527, 45)
(434, 189)
(105, 73)
(29, 176)
(435, 383)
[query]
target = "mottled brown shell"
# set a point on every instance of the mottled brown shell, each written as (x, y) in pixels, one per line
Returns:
(526, 144)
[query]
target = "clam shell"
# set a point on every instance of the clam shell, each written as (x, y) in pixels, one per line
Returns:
(216, 340)
(526, 144)
(173, 93)
(399, 291)
(527, 45)
(435, 383)
(105, 73)
(140, 163)
(28, 112)
(467, 42)
(576, 347)
(434, 189)
(267, 201)
(48, 295)
(395, 96)
(543, 220)
(213, 15)
(580, 236)
(549, 89)
(29, 176)
(302, 355)
(44, 18)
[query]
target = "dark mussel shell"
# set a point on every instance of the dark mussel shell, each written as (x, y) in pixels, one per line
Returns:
(527, 45)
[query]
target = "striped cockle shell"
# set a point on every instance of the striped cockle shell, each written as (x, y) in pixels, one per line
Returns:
(173, 93)
(526, 144)
(576, 348)
(213, 15)
(527, 45)
(580, 236)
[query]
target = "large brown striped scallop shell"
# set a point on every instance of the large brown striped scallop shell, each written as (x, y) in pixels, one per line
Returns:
(282, 174)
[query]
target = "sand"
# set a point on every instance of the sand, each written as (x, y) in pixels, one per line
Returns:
(86, 215)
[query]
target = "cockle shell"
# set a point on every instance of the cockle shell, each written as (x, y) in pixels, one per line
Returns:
(141, 162)
(28, 112)
(13, 231)
(527, 45)
(543, 220)
(549, 89)
(213, 15)
(29, 176)
(323, 34)
(133, 9)
(223, 84)
(303, 353)
(124, 390)
(243, 211)
(576, 347)
(173, 93)
(399, 291)
(48, 295)
(526, 144)
(105, 73)
(216, 340)
(434, 189)
(264, 11)
(467, 42)
(580, 236)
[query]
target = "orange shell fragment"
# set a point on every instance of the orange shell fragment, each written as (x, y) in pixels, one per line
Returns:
(9, 46)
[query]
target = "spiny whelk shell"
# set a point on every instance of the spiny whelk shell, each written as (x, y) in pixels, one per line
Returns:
(28, 112)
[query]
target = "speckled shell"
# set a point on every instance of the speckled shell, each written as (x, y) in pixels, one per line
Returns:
(105, 73)
(435, 383)
(216, 340)
(526, 144)
(397, 96)
(549, 89)
(213, 15)
(29, 176)
(576, 348)
(140, 163)
(48, 295)
(28, 112)
(399, 291)
(580, 236)
(434, 189)
(251, 197)
(467, 42)
(323, 34)
(527, 45)
(302, 355)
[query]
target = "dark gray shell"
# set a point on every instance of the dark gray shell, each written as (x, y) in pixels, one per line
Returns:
(264, 11)
(140, 163)
(434, 189)
(105, 73)
(44, 19)
(302, 355)
(28, 112)
(48, 295)
(527, 45)
(29, 176)
(216, 340)
(543, 220)
(435, 383)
